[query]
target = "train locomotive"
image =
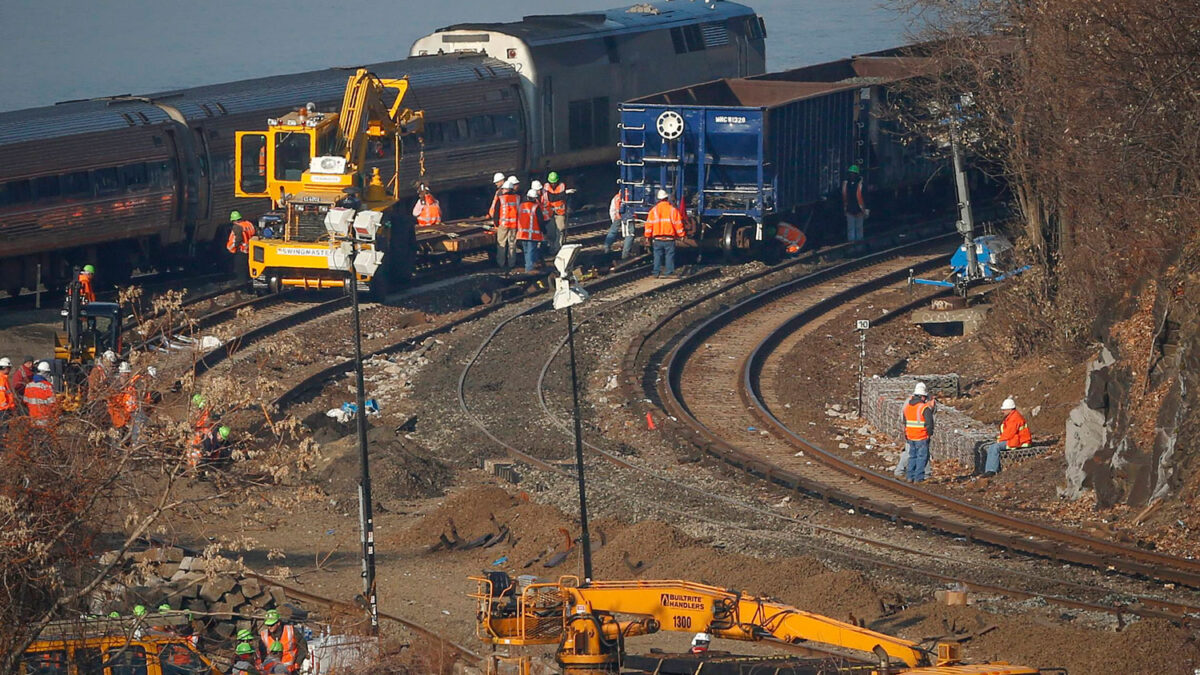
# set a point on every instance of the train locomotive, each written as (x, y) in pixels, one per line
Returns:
(129, 182)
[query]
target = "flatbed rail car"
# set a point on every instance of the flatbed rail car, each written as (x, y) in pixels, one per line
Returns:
(744, 154)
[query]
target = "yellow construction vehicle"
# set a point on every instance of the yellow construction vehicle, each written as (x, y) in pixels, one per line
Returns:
(583, 621)
(308, 162)
(89, 330)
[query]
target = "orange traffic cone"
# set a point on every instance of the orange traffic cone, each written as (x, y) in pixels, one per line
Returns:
(650, 422)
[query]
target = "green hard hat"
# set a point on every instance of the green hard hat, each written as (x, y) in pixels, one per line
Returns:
(244, 648)
(277, 646)
(223, 432)
(245, 635)
(272, 617)
(164, 608)
(854, 168)
(114, 614)
(198, 400)
(89, 269)
(235, 215)
(139, 610)
(553, 177)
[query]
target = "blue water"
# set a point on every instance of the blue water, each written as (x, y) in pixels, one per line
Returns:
(56, 50)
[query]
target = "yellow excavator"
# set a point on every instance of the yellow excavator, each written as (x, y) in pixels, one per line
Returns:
(584, 620)
(308, 163)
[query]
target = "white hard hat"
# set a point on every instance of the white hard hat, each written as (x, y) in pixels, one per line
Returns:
(124, 367)
(110, 355)
(701, 638)
(1008, 404)
(511, 182)
(5, 362)
(152, 371)
(919, 390)
(43, 366)
(536, 185)
(662, 194)
(498, 178)
(532, 194)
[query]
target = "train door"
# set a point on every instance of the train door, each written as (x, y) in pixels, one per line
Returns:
(205, 196)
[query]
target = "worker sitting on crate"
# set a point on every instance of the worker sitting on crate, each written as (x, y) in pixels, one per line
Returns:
(1014, 433)
(664, 225)
(427, 210)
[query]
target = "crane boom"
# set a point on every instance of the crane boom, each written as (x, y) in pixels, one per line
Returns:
(583, 621)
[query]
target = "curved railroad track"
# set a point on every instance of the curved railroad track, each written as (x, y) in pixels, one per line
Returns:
(696, 388)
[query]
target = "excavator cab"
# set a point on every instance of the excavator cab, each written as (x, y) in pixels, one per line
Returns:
(89, 330)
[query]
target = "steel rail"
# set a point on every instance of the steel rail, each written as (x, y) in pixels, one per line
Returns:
(1065, 546)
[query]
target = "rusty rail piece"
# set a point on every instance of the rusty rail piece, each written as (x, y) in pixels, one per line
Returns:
(351, 608)
(1021, 535)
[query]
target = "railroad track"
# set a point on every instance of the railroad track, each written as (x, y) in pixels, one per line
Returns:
(692, 390)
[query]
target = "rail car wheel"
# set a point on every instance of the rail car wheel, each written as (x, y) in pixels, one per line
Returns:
(728, 241)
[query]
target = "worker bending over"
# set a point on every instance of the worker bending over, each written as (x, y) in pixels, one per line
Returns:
(529, 227)
(618, 227)
(664, 225)
(918, 429)
(1014, 433)
(427, 210)
(791, 237)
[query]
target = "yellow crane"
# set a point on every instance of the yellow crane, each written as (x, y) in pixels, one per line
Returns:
(585, 622)
(308, 162)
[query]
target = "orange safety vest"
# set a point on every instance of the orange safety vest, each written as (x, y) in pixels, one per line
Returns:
(7, 400)
(1014, 431)
(97, 381)
(509, 201)
(39, 400)
(85, 287)
(791, 236)
(556, 196)
(529, 225)
(246, 228)
(123, 403)
(290, 649)
(914, 421)
(495, 202)
(430, 213)
(664, 222)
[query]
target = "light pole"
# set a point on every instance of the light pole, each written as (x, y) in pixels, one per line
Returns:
(567, 295)
(349, 233)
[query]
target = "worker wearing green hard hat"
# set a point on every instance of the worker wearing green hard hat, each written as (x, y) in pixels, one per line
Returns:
(114, 614)
(139, 611)
(271, 618)
(89, 269)
(854, 169)
(235, 216)
(244, 648)
(287, 649)
(245, 635)
(198, 400)
(223, 433)
(553, 177)
(164, 608)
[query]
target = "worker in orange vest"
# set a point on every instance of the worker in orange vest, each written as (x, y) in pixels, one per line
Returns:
(618, 227)
(506, 224)
(238, 244)
(918, 429)
(791, 237)
(664, 225)
(8, 401)
(86, 292)
(123, 400)
(529, 227)
(1014, 433)
(493, 213)
(294, 648)
(427, 210)
(100, 374)
(556, 197)
(39, 397)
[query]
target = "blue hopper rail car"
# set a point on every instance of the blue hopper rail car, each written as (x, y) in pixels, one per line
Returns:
(742, 155)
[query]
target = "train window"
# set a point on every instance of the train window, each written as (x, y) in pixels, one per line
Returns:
(463, 128)
(159, 174)
(46, 189)
(694, 38)
(587, 123)
(77, 185)
(108, 181)
(434, 134)
(223, 169)
(136, 177)
(762, 28)
(16, 192)
(678, 41)
(482, 126)
(327, 142)
(292, 156)
(450, 132)
(254, 163)
(506, 126)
